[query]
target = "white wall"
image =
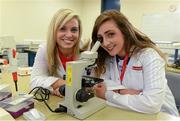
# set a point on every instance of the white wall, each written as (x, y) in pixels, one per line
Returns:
(135, 9)
(29, 19)
(90, 10)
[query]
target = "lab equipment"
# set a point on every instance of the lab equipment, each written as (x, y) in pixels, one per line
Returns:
(177, 63)
(87, 83)
(24, 71)
(75, 104)
(13, 65)
(14, 74)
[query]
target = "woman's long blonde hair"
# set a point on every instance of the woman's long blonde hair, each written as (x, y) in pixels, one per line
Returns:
(60, 18)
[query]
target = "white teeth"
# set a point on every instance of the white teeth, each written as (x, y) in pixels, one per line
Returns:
(67, 41)
(110, 48)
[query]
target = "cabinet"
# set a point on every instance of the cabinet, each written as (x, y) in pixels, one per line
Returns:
(172, 49)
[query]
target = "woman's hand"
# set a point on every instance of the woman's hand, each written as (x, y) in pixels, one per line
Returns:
(57, 93)
(56, 86)
(99, 90)
(128, 91)
(58, 83)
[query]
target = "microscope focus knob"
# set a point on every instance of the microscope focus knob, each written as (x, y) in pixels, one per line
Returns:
(82, 96)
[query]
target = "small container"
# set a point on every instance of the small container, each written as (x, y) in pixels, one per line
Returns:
(24, 71)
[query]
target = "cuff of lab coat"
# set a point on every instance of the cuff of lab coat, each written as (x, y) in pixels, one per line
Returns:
(116, 98)
(109, 95)
(51, 80)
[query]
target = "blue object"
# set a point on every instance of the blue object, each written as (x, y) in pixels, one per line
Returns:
(176, 55)
(31, 57)
(110, 4)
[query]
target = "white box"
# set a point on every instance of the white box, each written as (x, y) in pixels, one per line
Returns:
(24, 71)
(22, 59)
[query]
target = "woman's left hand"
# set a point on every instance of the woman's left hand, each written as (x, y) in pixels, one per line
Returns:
(99, 90)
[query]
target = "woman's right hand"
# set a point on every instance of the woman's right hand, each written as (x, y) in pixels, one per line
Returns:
(99, 90)
(58, 83)
(128, 91)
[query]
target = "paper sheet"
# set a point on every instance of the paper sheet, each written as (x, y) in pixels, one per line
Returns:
(115, 87)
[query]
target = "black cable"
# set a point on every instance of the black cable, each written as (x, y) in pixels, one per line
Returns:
(42, 95)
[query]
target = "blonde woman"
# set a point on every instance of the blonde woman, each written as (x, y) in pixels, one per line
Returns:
(62, 45)
(132, 66)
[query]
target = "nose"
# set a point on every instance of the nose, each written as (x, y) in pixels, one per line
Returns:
(68, 34)
(105, 43)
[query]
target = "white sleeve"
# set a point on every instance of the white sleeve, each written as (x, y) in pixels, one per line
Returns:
(40, 74)
(151, 99)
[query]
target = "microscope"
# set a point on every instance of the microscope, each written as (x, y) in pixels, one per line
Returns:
(79, 102)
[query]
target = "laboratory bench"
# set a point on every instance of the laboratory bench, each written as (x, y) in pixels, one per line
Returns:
(107, 113)
(175, 70)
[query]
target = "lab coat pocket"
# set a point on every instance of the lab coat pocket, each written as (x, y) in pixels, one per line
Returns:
(137, 68)
(134, 77)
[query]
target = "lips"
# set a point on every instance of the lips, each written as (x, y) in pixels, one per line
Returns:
(109, 48)
(67, 41)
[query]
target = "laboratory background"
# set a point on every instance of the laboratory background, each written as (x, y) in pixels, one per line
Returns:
(24, 25)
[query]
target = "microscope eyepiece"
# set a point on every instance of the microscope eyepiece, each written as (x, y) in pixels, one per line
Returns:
(97, 44)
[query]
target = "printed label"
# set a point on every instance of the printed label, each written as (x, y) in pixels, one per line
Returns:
(69, 76)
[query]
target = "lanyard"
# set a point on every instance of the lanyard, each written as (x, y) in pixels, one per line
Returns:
(125, 61)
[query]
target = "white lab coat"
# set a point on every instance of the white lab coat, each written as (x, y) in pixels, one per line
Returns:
(156, 95)
(40, 75)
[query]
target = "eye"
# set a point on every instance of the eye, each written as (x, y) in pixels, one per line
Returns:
(110, 35)
(74, 30)
(62, 29)
(99, 36)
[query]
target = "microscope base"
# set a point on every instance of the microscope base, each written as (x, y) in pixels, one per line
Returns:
(91, 106)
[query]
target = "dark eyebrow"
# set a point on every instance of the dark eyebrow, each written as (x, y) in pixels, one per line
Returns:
(75, 27)
(106, 32)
